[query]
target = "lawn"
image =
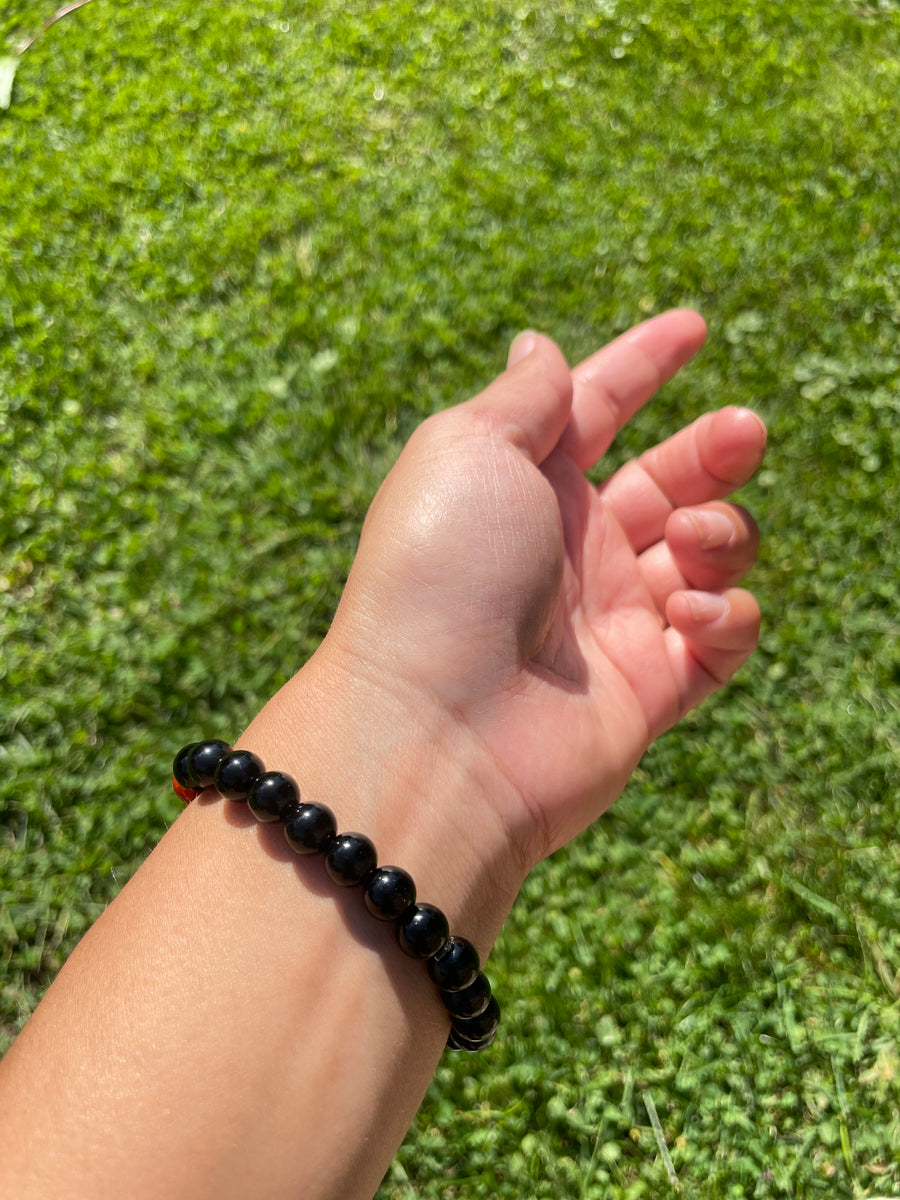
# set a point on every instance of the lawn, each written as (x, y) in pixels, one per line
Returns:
(245, 249)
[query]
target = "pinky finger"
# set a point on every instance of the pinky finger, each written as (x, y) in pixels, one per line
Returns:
(710, 635)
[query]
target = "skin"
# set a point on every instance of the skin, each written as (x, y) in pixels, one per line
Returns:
(510, 641)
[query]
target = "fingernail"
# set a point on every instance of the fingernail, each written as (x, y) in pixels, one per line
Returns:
(714, 529)
(754, 418)
(706, 606)
(522, 345)
(762, 433)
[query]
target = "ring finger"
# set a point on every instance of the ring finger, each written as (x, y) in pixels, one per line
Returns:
(707, 547)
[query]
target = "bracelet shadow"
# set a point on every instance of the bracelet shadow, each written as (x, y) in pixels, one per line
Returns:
(408, 977)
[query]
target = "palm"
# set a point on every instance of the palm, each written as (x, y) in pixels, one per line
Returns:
(599, 685)
(549, 614)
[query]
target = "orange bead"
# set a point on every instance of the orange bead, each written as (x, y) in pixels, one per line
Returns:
(183, 793)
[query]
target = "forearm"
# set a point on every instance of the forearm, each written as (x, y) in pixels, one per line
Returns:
(509, 641)
(235, 1024)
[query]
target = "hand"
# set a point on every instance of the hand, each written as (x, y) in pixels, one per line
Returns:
(563, 626)
(510, 640)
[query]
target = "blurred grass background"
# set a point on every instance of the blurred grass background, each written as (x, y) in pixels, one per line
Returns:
(244, 249)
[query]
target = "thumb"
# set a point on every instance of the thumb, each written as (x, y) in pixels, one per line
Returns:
(532, 399)
(520, 347)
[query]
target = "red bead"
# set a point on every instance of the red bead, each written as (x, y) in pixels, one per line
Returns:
(184, 793)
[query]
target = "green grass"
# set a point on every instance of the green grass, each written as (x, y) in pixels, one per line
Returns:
(245, 249)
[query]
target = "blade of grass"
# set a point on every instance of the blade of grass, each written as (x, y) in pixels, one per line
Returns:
(660, 1139)
(57, 16)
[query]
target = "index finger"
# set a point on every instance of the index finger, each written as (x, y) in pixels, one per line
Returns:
(611, 385)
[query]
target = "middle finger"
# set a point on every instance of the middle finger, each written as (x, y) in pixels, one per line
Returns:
(705, 461)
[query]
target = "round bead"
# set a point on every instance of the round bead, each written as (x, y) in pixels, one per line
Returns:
(455, 965)
(349, 858)
(452, 1042)
(273, 796)
(203, 760)
(422, 930)
(470, 1001)
(184, 793)
(310, 829)
(237, 773)
(180, 766)
(473, 1045)
(480, 1029)
(388, 892)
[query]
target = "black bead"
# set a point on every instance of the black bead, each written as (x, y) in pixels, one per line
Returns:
(422, 930)
(480, 1029)
(237, 773)
(470, 1001)
(273, 796)
(310, 829)
(473, 1045)
(203, 760)
(455, 965)
(452, 1042)
(349, 859)
(180, 765)
(388, 892)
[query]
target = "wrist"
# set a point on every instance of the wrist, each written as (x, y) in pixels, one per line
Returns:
(394, 765)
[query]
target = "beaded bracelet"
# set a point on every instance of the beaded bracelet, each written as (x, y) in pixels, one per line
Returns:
(389, 893)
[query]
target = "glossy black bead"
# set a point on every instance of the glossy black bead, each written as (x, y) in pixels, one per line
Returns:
(273, 796)
(473, 1045)
(455, 965)
(203, 760)
(480, 1029)
(422, 930)
(237, 773)
(349, 858)
(180, 765)
(470, 1001)
(388, 892)
(311, 829)
(452, 1041)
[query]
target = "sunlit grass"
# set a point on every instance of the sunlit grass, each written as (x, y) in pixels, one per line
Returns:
(245, 249)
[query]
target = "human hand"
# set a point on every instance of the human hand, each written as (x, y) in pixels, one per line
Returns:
(510, 640)
(561, 626)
